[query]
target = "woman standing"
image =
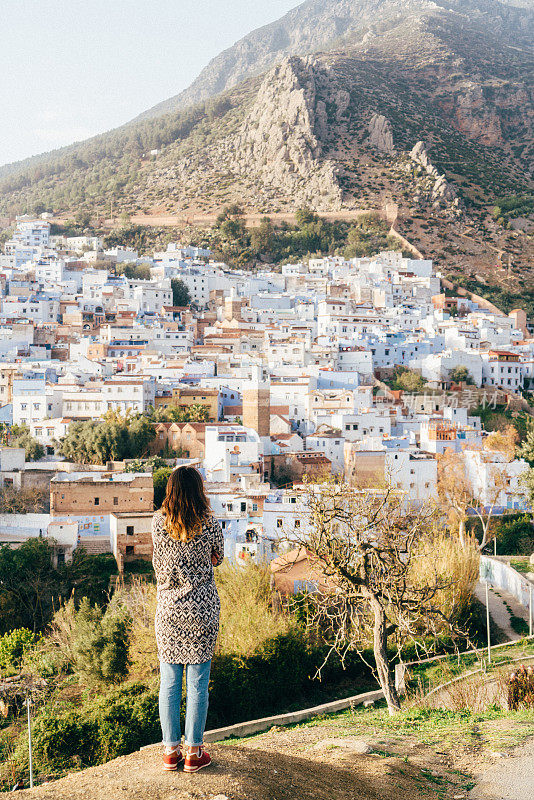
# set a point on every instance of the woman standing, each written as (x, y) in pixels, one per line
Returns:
(188, 543)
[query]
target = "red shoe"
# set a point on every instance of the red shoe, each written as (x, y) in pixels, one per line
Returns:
(171, 760)
(194, 762)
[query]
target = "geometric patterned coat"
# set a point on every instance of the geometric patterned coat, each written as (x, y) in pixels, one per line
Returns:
(187, 612)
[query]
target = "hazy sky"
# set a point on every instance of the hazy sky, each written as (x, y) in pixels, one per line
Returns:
(73, 68)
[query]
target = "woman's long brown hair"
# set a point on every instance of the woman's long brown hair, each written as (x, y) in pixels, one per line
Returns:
(185, 506)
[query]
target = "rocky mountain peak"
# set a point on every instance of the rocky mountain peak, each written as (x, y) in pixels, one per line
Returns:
(284, 132)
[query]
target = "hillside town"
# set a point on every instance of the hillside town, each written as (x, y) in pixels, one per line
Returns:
(260, 379)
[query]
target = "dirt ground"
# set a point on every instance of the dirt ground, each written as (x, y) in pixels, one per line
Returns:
(307, 763)
(242, 773)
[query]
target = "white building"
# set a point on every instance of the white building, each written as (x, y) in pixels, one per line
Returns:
(232, 451)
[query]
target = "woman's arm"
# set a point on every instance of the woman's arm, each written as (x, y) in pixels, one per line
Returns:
(217, 544)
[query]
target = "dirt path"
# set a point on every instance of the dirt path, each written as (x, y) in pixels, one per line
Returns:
(498, 600)
(510, 779)
(186, 218)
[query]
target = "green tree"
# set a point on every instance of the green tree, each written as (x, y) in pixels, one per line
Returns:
(526, 450)
(407, 380)
(180, 293)
(28, 583)
(304, 216)
(83, 218)
(196, 412)
(140, 433)
(113, 439)
(89, 575)
(132, 271)
(13, 646)
(160, 477)
(460, 374)
(145, 465)
(527, 480)
(20, 436)
(262, 238)
(101, 643)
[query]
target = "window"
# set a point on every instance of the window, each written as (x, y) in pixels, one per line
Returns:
(243, 506)
(115, 501)
(297, 523)
(279, 523)
(129, 530)
(97, 501)
(254, 506)
(129, 549)
(230, 506)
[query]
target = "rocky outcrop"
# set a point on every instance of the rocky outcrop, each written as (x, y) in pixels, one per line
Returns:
(381, 134)
(283, 135)
(438, 191)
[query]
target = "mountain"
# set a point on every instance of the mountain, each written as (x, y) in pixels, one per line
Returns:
(318, 24)
(423, 107)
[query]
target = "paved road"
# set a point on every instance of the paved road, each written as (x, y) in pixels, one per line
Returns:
(499, 613)
(508, 779)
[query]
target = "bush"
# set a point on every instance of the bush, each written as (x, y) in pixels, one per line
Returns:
(13, 645)
(86, 641)
(126, 720)
(63, 739)
(515, 535)
(247, 616)
(112, 726)
(280, 675)
(160, 478)
(101, 644)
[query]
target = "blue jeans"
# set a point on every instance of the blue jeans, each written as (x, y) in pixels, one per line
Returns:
(197, 678)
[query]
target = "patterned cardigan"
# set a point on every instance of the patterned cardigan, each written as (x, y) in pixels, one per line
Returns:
(187, 612)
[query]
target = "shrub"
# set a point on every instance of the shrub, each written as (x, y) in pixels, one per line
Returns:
(61, 739)
(247, 616)
(457, 568)
(101, 644)
(13, 645)
(126, 720)
(112, 726)
(160, 478)
(515, 536)
(521, 688)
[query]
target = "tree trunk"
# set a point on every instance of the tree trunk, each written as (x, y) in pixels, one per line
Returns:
(461, 532)
(384, 671)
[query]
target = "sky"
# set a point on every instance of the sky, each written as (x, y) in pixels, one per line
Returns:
(73, 68)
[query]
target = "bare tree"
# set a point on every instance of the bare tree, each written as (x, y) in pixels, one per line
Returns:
(383, 581)
(459, 494)
(23, 501)
(454, 491)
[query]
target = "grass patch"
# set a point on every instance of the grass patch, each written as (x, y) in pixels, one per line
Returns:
(445, 731)
(434, 673)
(522, 565)
(519, 625)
